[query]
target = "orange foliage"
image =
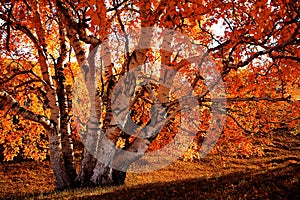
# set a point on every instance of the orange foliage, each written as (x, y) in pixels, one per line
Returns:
(257, 53)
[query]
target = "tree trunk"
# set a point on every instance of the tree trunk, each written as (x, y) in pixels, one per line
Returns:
(66, 138)
(88, 161)
(86, 169)
(158, 116)
(137, 149)
(67, 150)
(102, 174)
(118, 177)
(62, 180)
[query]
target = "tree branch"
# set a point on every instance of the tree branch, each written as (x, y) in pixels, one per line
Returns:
(8, 101)
(237, 123)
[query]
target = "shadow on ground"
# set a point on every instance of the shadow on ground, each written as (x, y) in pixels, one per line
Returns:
(281, 183)
(272, 176)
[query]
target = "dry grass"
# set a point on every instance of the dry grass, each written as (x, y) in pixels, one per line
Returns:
(274, 176)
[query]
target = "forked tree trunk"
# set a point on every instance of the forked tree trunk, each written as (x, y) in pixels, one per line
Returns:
(93, 128)
(105, 148)
(106, 141)
(158, 119)
(137, 149)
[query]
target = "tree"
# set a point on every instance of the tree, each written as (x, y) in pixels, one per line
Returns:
(260, 45)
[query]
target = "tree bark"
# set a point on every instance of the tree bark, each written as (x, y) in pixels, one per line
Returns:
(62, 180)
(158, 119)
(87, 166)
(66, 139)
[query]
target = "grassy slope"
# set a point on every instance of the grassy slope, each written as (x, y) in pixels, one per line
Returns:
(274, 176)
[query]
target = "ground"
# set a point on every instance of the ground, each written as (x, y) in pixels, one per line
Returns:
(272, 176)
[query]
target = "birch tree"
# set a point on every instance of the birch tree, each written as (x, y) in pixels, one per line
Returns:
(45, 44)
